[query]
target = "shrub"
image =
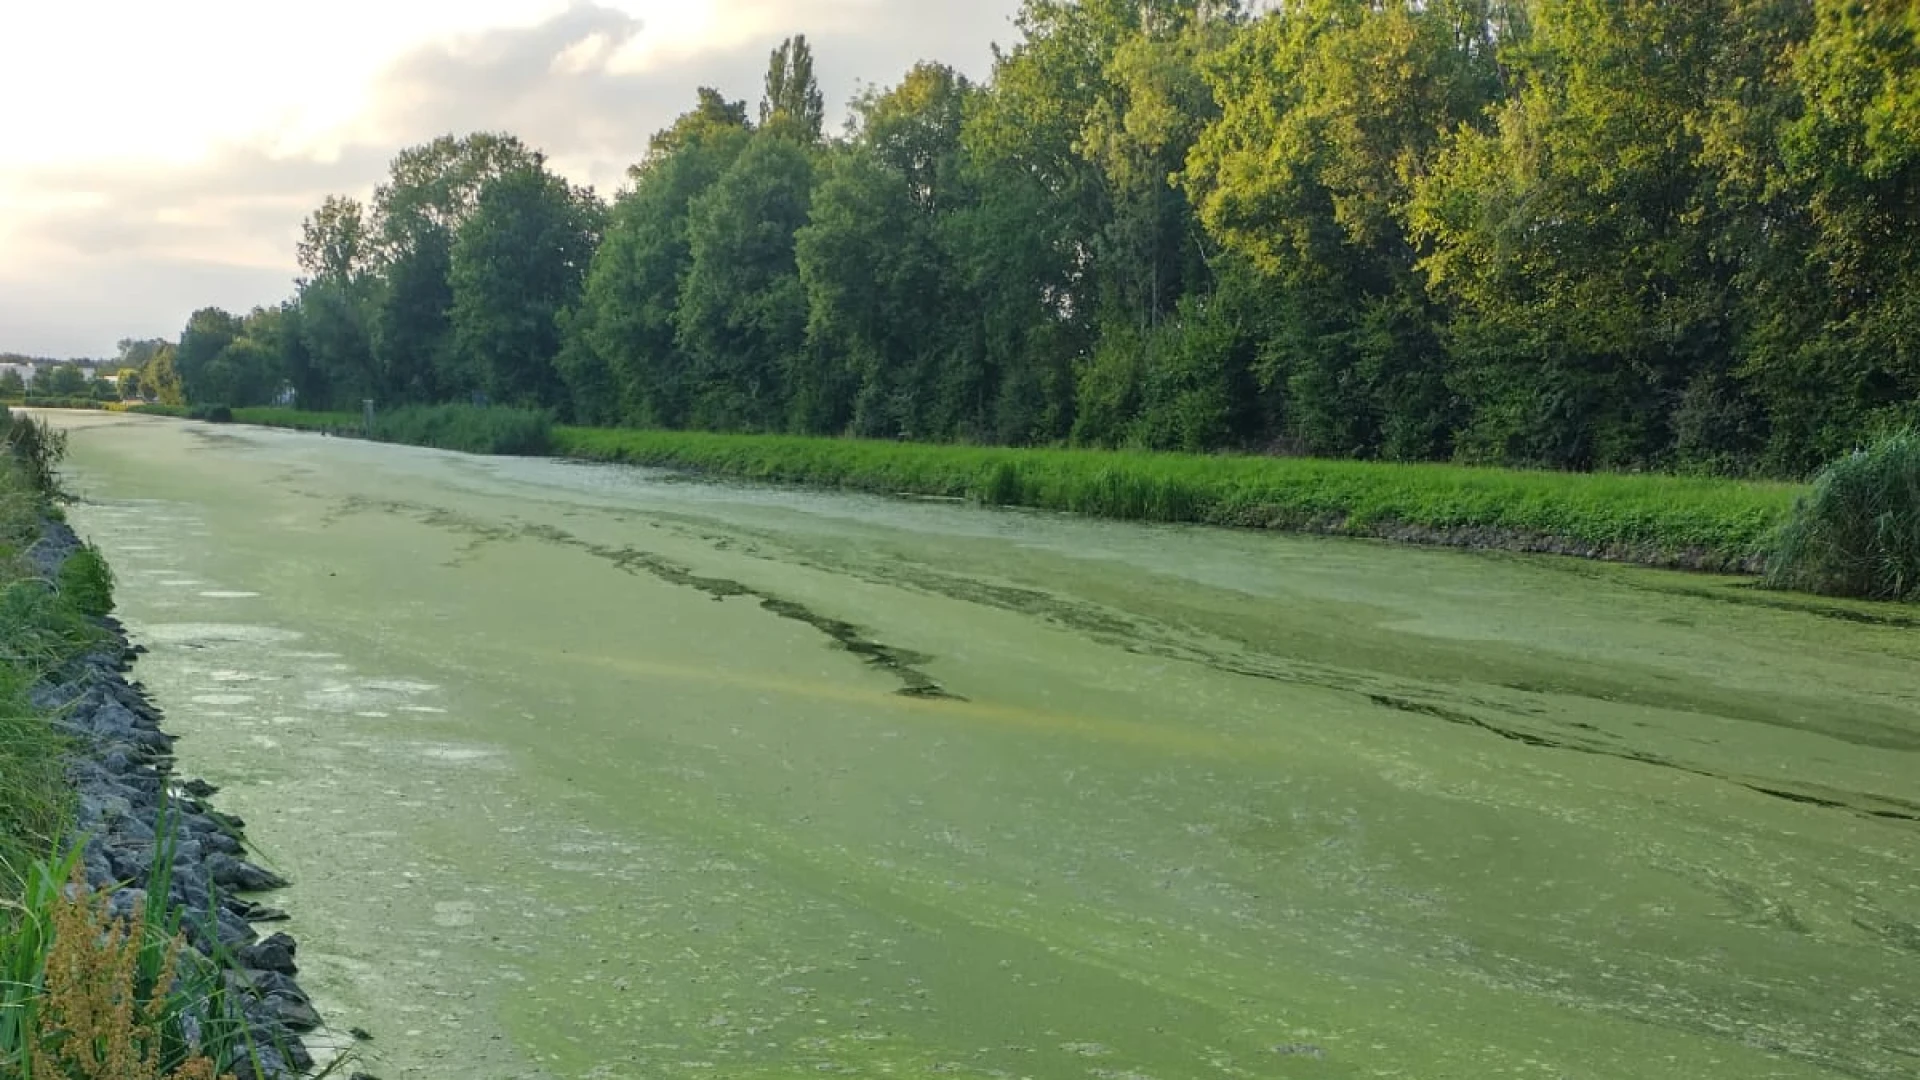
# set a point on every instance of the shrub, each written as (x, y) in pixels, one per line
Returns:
(1857, 533)
(212, 414)
(38, 450)
(87, 582)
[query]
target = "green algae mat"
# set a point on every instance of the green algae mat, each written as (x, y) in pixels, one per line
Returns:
(588, 771)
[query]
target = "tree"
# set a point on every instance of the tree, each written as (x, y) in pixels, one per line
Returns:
(713, 115)
(12, 385)
(625, 324)
(1832, 286)
(327, 340)
(743, 312)
(519, 261)
(873, 278)
(160, 380)
(890, 310)
(1587, 298)
(60, 380)
(432, 191)
(793, 105)
(208, 333)
(335, 241)
(138, 353)
(914, 129)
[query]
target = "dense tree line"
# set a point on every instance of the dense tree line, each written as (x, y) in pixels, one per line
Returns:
(1572, 233)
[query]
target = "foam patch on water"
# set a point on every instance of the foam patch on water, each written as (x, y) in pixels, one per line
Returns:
(451, 913)
(202, 635)
(457, 755)
(229, 594)
(400, 686)
(221, 699)
(178, 583)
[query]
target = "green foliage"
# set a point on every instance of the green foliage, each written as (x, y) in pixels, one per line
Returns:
(34, 451)
(40, 630)
(793, 105)
(743, 310)
(475, 429)
(64, 381)
(1559, 233)
(627, 321)
(212, 414)
(86, 582)
(519, 261)
(1857, 533)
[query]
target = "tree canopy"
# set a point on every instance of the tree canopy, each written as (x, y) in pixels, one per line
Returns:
(1562, 233)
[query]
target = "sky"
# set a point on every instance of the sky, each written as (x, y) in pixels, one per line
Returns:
(160, 157)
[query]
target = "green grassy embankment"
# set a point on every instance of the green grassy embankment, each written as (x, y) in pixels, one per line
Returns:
(1654, 519)
(1659, 520)
(42, 625)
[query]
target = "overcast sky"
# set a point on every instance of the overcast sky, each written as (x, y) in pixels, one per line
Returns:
(159, 157)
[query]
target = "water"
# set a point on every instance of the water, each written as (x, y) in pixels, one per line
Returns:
(593, 772)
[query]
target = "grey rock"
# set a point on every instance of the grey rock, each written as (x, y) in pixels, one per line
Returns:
(123, 903)
(273, 954)
(242, 875)
(264, 983)
(294, 1014)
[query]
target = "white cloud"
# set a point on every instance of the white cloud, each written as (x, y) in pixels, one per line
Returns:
(167, 164)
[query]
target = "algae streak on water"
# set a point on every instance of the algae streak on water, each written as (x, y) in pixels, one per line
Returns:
(589, 772)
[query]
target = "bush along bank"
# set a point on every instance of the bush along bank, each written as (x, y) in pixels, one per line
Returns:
(1857, 532)
(133, 955)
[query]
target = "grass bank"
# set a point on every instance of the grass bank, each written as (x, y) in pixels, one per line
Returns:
(1660, 520)
(1697, 523)
(41, 628)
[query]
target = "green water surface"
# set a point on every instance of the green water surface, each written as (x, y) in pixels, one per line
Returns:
(586, 771)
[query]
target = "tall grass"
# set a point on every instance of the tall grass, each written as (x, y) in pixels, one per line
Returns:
(90, 996)
(39, 630)
(1857, 532)
(35, 450)
(86, 582)
(1662, 519)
